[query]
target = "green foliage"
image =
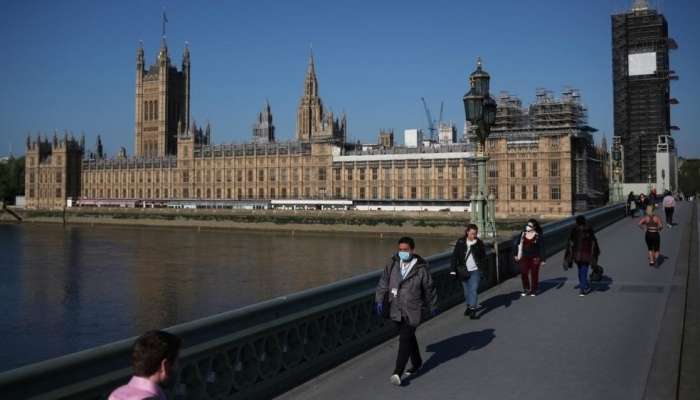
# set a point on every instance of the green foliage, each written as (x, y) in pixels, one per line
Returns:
(689, 177)
(11, 179)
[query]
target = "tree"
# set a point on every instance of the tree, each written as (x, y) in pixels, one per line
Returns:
(689, 177)
(11, 179)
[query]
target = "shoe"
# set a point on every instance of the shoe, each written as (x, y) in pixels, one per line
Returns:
(395, 380)
(523, 293)
(413, 370)
(581, 294)
(588, 291)
(472, 314)
(533, 294)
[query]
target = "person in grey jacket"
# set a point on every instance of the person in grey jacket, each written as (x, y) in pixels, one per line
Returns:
(406, 288)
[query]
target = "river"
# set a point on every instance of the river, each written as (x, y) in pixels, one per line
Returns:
(65, 289)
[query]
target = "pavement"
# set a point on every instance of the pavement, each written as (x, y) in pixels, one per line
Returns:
(623, 341)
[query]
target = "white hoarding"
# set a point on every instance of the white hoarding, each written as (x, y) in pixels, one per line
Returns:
(642, 64)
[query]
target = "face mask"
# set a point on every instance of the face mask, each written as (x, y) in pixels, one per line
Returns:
(528, 228)
(404, 256)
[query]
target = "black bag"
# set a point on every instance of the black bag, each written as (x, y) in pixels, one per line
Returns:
(386, 300)
(462, 272)
(596, 273)
(386, 305)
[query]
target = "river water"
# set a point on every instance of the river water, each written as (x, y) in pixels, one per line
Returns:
(68, 289)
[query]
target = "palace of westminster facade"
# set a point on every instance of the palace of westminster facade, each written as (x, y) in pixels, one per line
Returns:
(542, 160)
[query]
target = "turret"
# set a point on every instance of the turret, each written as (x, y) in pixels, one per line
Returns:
(140, 62)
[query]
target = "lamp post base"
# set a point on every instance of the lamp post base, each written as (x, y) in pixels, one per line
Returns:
(482, 205)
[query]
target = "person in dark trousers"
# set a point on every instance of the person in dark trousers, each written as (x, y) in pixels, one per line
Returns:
(583, 249)
(631, 204)
(154, 360)
(406, 288)
(669, 203)
(642, 204)
(469, 265)
(653, 197)
(530, 255)
(652, 226)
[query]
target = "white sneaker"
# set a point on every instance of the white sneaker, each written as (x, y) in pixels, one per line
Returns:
(523, 293)
(395, 380)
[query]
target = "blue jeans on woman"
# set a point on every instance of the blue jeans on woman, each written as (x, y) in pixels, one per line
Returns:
(582, 277)
(471, 286)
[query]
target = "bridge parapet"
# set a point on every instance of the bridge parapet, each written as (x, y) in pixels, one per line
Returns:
(265, 348)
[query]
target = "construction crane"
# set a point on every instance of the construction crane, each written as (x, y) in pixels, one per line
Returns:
(431, 122)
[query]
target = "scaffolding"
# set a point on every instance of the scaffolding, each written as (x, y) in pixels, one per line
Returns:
(510, 113)
(567, 112)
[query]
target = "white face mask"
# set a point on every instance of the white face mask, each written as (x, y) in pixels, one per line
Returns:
(528, 228)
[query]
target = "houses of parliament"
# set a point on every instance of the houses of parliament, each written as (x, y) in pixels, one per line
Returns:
(543, 160)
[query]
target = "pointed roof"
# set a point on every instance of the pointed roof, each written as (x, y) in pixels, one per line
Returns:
(311, 83)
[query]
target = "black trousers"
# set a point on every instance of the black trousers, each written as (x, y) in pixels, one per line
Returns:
(408, 347)
(669, 215)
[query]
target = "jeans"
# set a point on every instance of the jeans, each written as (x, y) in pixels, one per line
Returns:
(471, 286)
(582, 276)
(408, 347)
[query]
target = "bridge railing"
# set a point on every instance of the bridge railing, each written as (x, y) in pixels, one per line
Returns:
(265, 348)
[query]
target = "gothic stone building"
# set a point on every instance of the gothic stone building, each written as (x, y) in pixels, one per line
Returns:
(535, 168)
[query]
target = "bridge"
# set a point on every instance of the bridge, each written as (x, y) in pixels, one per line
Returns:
(637, 336)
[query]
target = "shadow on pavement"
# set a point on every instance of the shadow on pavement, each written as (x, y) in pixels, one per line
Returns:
(552, 283)
(660, 260)
(602, 285)
(502, 300)
(454, 347)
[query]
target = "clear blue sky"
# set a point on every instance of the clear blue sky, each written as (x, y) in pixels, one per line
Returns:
(71, 64)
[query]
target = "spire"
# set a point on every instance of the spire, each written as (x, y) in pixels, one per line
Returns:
(186, 54)
(163, 54)
(99, 149)
(311, 83)
(139, 53)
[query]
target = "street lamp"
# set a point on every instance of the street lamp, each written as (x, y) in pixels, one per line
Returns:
(480, 111)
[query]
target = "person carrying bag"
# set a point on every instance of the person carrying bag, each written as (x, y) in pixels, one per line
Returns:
(469, 265)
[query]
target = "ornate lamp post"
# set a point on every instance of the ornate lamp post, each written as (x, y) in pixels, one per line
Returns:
(480, 111)
(617, 175)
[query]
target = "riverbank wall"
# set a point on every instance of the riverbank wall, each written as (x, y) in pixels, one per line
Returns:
(389, 223)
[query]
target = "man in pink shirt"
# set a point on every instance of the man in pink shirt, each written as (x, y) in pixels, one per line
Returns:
(154, 359)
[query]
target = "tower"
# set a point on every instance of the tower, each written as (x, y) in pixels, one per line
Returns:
(313, 123)
(641, 87)
(162, 103)
(52, 172)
